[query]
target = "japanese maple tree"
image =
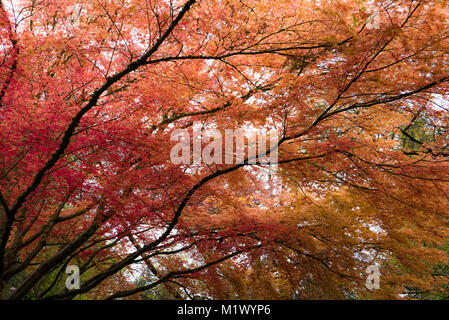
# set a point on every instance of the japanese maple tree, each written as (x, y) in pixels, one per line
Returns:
(92, 90)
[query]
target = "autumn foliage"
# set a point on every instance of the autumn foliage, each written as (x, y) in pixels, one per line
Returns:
(91, 90)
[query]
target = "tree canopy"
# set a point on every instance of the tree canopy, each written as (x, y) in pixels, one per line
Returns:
(92, 91)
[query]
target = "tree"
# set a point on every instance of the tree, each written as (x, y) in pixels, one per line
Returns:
(91, 92)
